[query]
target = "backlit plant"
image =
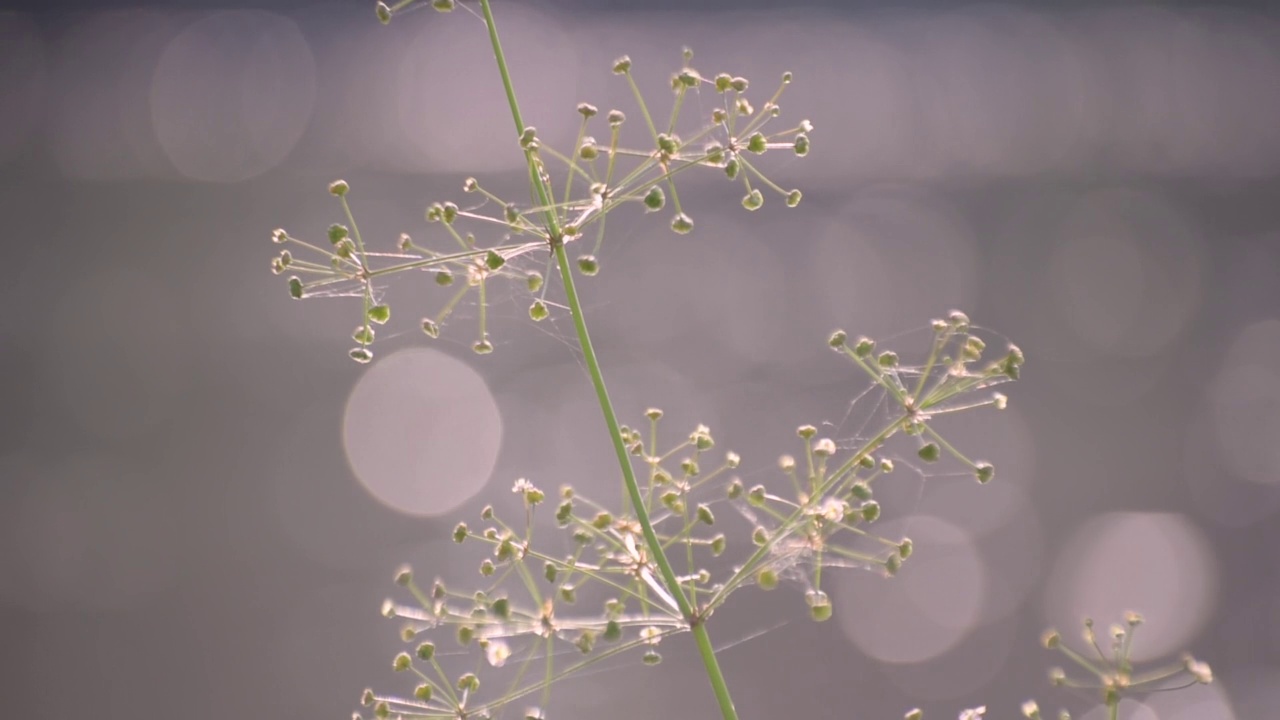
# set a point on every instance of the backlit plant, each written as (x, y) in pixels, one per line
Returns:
(575, 581)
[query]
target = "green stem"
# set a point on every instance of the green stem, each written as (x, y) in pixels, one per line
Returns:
(705, 648)
(1113, 710)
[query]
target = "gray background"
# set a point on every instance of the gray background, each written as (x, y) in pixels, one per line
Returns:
(181, 532)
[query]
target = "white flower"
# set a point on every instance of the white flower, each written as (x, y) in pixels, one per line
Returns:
(973, 713)
(497, 652)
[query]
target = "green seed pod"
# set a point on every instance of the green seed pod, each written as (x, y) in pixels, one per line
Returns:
(337, 233)
(426, 650)
(704, 515)
(682, 224)
(423, 692)
(444, 278)
(487, 567)
(404, 575)
(731, 167)
(402, 662)
(383, 12)
(864, 347)
(753, 200)
(860, 490)
(1051, 639)
(756, 143)
(654, 199)
(443, 5)
(914, 714)
(468, 681)
(893, 564)
(382, 710)
(585, 642)
(739, 84)
(460, 532)
(905, 548)
(801, 145)
(550, 572)
(756, 496)
(984, 472)
(538, 311)
(929, 452)
(529, 138)
(588, 265)
(793, 198)
(493, 260)
(367, 698)
(568, 593)
(502, 608)
(759, 536)
(734, 491)
(651, 657)
(588, 150)
(363, 335)
(723, 82)
(870, 510)
(719, 116)
(295, 287)
(714, 153)
(482, 347)
(430, 328)
(612, 631)
(616, 118)
(602, 520)
(668, 144)
(888, 359)
(380, 314)
(466, 634)
(819, 605)
(767, 578)
(718, 544)
(360, 354)
(564, 513)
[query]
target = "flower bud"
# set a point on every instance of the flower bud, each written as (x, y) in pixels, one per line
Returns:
(339, 188)
(682, 224)
(621, 65)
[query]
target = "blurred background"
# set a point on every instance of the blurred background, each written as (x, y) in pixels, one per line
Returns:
(203, 499)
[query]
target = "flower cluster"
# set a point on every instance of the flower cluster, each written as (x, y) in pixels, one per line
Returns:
(528, 614)
(1112, 673)
(600, 175)
(531, 633)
